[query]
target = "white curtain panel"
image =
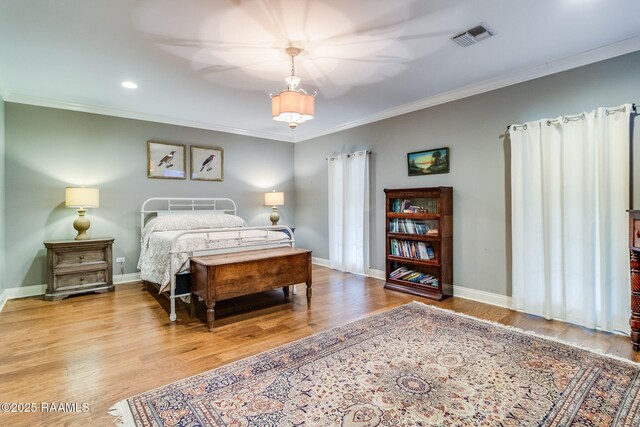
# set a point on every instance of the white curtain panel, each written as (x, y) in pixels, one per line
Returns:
(349, 212)
(570, 192)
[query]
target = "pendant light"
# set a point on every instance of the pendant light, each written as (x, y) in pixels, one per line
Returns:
(293, 105)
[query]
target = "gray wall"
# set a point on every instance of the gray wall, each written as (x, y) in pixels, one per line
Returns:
(2, 191)
(473, 130)
(49, 149)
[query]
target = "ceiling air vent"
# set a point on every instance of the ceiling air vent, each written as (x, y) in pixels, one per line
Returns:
(472, 36)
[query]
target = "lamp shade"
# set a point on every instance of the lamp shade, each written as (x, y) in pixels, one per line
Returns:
(292, 106)
(82, 197)
(274, 199)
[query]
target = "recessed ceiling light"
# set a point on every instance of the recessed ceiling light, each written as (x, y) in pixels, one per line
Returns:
(129, 85)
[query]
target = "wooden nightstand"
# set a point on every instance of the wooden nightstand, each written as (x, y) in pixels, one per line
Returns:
(78, 266)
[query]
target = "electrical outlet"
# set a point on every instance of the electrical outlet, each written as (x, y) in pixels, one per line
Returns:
(120, 260)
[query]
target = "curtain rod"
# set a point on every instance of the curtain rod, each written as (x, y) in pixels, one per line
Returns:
(634, 110)
(327, 158)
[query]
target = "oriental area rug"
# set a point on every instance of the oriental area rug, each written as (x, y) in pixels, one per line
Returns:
(414, 365)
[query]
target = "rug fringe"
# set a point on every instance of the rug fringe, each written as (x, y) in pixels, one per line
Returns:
(532, 333)
(122, 414)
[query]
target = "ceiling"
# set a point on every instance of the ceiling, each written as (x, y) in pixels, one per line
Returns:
(213, 63)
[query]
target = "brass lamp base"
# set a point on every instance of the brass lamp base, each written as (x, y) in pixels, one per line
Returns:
(274, 217)
(82, 224)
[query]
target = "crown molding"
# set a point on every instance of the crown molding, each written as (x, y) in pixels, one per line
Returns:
(106, 111)
(589, 57)
(595, 55)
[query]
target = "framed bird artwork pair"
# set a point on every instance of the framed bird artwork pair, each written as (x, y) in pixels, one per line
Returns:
(168, 161)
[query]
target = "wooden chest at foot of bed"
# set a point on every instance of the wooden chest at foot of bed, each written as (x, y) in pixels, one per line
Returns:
(219, 277)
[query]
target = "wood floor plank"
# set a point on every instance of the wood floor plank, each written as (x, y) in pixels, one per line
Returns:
(101, 348)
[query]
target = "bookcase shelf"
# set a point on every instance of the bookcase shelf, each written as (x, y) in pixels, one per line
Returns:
(413, 236)
(405, 260)
(419, 241)
(408, 286)
(412, 215)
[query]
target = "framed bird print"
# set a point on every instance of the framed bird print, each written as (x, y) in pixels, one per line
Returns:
(207, 163)
(166, 160)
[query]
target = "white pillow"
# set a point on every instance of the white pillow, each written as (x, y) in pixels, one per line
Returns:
(194, 222)
(189, 222)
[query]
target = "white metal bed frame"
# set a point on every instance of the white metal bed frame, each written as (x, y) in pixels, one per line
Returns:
(203, 205)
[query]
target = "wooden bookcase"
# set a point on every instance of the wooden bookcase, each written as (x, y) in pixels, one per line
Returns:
(419, 241)
(634, 252)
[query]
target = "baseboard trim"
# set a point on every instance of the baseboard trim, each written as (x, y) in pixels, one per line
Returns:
(35, 290)
(120, 279)
(482, 296)
(377, 274)
(462, 292)
(3, 300)
(22, 292)
(320, 261)
(458, 291)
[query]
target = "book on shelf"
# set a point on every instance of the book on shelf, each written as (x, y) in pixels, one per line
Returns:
(409, 226)
(408, 275)
(397, 205)
(431, 205)
(413, 250)
(430, 253)
(412, 209)
(406, 206)
(423, 250)
(398, 272)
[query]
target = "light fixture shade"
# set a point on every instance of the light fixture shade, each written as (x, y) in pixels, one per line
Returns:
(292, 107)
(82, 197)
(274, 198)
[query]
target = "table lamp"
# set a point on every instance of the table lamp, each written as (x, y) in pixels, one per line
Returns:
(274, 200)
(82, 198)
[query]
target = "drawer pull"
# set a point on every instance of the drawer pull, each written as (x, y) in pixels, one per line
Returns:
(82, 279)
(81, 258)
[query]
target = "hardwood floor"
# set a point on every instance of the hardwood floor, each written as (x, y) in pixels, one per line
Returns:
(101, 348)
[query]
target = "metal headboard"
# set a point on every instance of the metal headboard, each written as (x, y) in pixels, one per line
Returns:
(160, 205)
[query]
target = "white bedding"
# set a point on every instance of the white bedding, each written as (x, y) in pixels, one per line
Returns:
(155, 257)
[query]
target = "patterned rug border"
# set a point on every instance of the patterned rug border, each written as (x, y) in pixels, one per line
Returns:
(595, 351)
(124, 417)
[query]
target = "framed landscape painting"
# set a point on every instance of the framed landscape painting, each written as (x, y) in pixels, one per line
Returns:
(428, 162)
(207, 163)
(166, 160)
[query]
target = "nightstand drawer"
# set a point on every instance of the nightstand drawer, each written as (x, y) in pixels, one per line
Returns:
(79, 257)
(77, 280)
